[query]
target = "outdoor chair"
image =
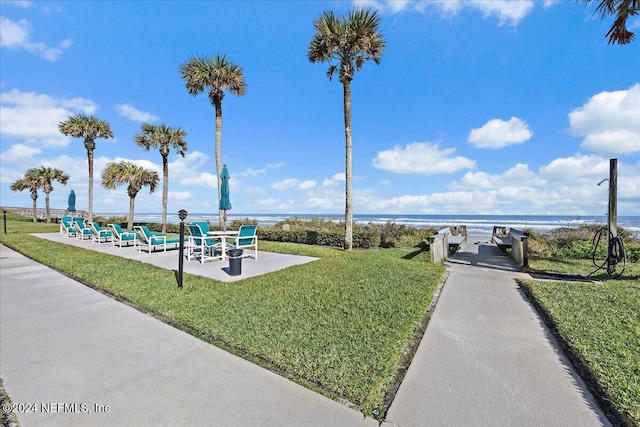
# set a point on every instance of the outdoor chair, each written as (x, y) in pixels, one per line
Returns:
(100, 233)
(152, 240)
(247, 238)
(121, 236)
(201, 246)
(204, 226)
(67, 227)
(82, 231)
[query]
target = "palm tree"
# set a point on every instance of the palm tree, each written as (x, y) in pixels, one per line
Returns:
(163, 138)
(47, 175)
(89, 128)
(351, 41)
(623, 9)
(31, 181)
(218, 74)
(132, 175)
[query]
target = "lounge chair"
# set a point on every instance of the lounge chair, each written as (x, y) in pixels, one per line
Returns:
(247, 238)
(67, 226)
(82, 231)
(121, 236)
(200, 246)
(153, 240)
(100, 234)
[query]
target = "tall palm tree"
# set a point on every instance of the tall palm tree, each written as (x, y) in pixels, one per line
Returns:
(47, 175)
(133, 176)
(163, 138)
(31, 181)
(623, 9)
(89, 128)
(218, 74)
(351, 41)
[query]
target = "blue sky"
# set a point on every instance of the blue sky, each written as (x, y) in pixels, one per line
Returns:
(477, 107)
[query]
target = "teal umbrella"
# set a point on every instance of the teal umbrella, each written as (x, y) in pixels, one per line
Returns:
(72, 201)
(225, 203)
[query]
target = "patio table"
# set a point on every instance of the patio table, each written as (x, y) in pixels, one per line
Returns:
(223, 235)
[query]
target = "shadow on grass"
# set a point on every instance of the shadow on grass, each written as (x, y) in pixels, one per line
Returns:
(414, 254)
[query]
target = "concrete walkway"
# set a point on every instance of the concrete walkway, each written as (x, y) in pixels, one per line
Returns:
(487, 359)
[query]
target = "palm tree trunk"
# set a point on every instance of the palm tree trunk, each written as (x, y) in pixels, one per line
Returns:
(165, 191)
(348, 210)
(46, 204)
(132, 201)
(218, 154)
(90, 159)
(34, 197)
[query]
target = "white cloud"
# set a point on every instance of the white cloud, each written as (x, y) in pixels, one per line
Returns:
(307, 185)
(130, 112)
(509, 12)
(34, 117)
(15, 35)
(19, 152)
(255, 172)
(576, 167)
(285, 184)
(498, 133)
(20, 3)
(609, 122)
(422, 158)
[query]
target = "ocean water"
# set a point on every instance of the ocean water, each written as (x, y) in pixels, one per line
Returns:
(477, 225)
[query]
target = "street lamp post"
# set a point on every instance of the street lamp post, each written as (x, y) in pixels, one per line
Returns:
(182, 214)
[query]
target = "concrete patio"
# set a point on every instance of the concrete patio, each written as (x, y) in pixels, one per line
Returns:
(267, 262)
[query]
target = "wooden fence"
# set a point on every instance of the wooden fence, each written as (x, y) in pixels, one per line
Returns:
(41, 213)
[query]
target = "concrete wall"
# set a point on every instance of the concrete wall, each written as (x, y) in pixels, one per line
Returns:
(519, 247)
(438, 247)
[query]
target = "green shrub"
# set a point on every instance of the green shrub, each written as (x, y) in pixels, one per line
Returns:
(361, 240)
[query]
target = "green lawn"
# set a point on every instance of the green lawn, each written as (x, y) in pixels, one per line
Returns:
(338, 325)
(599, 324)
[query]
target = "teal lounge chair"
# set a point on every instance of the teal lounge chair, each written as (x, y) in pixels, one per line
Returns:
(153, 240)
(100, 234)
(247, 238)
(67, 226)
(200, 246)
(121, 236)
(82, 231)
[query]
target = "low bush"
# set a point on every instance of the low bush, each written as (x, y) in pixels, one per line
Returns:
(361, 240)
(576, 242)
(319, 231)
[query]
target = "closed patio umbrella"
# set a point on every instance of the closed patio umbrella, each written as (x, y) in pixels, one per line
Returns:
(225, 203)
(72, 201)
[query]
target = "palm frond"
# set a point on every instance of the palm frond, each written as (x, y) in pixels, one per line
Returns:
(349, 41)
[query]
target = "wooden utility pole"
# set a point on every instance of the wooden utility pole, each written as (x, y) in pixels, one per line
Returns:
(613, 213)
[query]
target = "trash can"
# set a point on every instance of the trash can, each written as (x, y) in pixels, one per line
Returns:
(235, 262)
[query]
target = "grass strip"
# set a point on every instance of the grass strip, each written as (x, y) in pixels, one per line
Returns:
(598, 324)
(339, 325)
